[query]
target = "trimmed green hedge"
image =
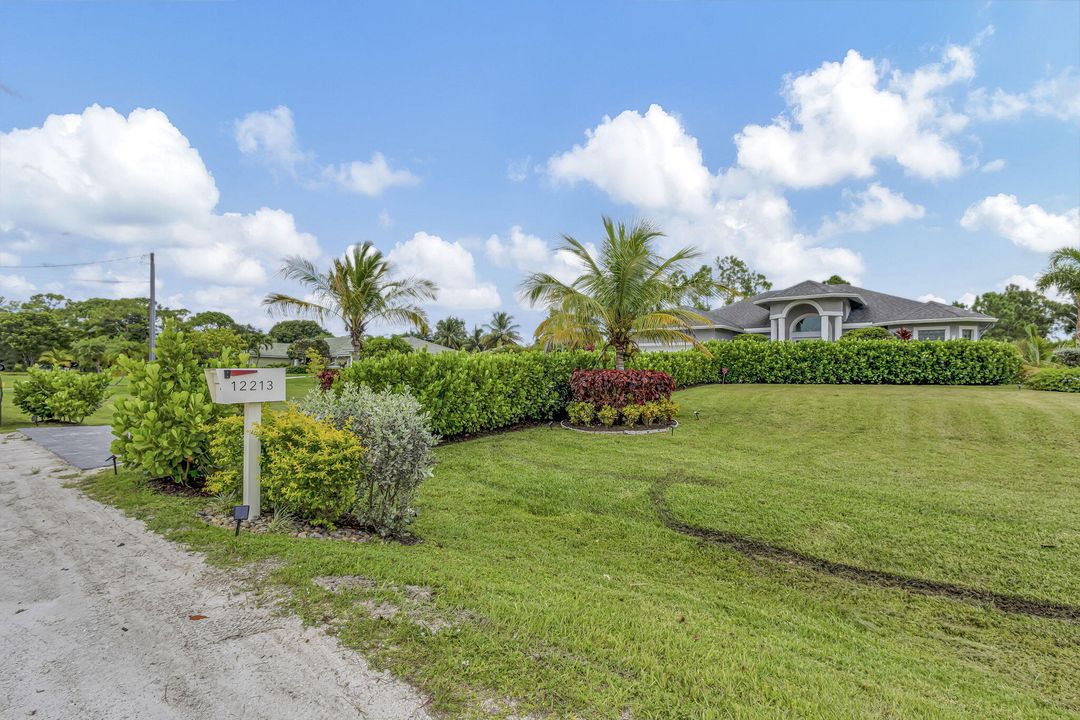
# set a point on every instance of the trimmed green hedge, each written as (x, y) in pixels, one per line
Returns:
(473, 392)
(953, 362)
(469, 393)
(1065, 379)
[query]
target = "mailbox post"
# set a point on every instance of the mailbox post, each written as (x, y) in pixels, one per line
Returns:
(250, 387)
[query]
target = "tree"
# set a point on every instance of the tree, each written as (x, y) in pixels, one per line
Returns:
(209, 343)
(1063, 274)
(1015, 309)
(477, 340)
(298, 349)
(737, 280)
(359, 290)
(256, 341)
(697, 290)
(450, 332)
(377, 347)
(836, 280)
(211, 319)
(1035, 349)
(287, 331)
(56, 358)
(126, 318)
(626, 295)
(25, 334)
(502, 330)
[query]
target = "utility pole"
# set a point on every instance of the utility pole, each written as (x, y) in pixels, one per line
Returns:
(153, 307)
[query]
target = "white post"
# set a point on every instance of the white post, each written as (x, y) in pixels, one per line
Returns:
(825, 327)
(780, 328)
(252, 416)
(839, 327)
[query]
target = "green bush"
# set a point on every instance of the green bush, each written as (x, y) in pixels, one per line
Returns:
(394, 429)
(1068, 356)
(60, 395)
(581, 413)
(473, 392)
(1064, 379)
(750, 337)
(868, 333)
(310, 469)
(953, 362)
(632, 414)
(160, 425)
(607, 415)
(378, 347)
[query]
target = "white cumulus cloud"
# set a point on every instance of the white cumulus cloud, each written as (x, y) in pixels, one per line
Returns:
(645, 160)
(16, 286)
(368, 178)
(652, 163)
(450, 266)
(845, 117)
(931, 297)
(271, 136)
(135, 180)
(993, 166)
(1028, 226)
(529, 253)
(873, 207)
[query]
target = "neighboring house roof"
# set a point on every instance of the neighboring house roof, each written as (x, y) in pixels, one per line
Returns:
(275, 351)
(867, 306)
(423, 345)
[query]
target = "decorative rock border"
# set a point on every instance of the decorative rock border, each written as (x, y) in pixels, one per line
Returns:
(615, 430)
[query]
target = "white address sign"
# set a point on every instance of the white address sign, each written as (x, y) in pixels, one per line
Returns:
(232, 386)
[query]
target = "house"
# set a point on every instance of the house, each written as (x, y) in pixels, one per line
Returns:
(816, 311)
(340, 351)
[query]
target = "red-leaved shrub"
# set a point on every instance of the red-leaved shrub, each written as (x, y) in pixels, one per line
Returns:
(327, 378)
(620, 387)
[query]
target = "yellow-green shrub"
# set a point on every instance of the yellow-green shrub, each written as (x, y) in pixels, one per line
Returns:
(309, 467)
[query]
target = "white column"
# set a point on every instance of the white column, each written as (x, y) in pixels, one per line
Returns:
(839, 327)
(772, 329)
(252, 449)
(780, 328)
(825, 319)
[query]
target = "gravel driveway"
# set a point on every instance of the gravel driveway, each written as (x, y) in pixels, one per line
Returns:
(95, 622)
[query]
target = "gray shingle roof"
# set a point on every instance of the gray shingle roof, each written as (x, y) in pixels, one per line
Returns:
(806, 288)
(740, 315)
(868, 306)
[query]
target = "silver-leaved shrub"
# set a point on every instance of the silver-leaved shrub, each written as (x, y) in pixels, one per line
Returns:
(400, 450)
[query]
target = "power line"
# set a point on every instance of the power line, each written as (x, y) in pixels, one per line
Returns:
(67, 265)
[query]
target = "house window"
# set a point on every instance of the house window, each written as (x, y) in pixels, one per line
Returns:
(968, 333)
(932, 334)
(810, 323)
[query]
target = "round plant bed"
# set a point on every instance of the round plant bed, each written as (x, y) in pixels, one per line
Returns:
(622, 429)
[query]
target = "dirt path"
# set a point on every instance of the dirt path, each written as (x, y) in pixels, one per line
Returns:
(94, 622)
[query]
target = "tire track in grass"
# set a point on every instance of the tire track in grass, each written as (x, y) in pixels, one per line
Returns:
(751, 548)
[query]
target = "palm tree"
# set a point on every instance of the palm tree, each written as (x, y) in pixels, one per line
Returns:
(502, 330)
(477, 340)
(359, 290)
(628, 294)
(1033, 347)
(450, 332)
(56, 358)
(1063, 274)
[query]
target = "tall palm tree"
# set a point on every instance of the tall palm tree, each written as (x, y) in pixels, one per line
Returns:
(477, 340)
(450, 332)
(502, 330)
(627, 295)
(358, 289)
(1063, 274)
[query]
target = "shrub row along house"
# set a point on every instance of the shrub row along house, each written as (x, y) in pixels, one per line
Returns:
(818, 311)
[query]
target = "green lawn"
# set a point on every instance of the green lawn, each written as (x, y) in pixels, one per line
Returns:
(570, 597)
(13, 418)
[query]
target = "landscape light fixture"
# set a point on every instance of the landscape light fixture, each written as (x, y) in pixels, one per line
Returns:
(113, 458)
(240, 514)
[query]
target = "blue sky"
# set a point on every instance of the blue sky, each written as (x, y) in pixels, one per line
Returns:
(924, 149)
